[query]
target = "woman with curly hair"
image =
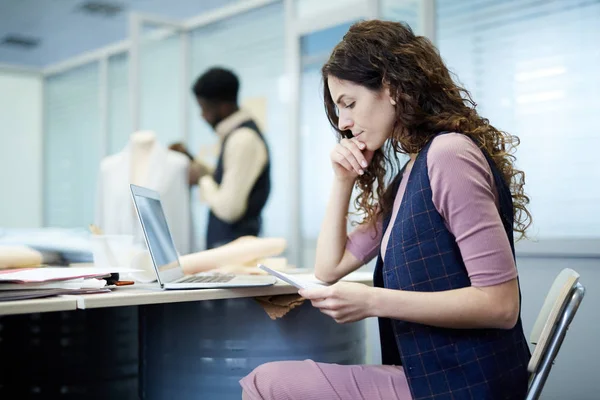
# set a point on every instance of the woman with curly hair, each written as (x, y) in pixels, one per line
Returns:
(446, 290)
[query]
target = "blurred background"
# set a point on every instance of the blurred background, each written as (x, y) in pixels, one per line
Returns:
(78, 77)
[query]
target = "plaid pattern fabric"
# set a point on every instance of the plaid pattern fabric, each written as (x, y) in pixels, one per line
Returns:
(422, 255)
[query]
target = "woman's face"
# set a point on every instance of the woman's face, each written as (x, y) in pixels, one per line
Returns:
(370, 115)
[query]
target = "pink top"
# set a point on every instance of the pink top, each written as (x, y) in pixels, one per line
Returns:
(465, 195)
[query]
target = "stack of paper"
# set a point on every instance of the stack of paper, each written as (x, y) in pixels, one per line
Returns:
(50, 274)
(43, 282)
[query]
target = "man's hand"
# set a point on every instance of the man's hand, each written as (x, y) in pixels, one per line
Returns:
(180, 147)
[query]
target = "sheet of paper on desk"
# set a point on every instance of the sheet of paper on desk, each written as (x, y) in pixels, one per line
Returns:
(54, 274)
(79, 283)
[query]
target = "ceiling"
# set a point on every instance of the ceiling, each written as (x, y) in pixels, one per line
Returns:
(63, 30)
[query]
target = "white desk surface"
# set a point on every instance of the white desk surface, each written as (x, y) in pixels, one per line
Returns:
(130, 295)
(60, 303)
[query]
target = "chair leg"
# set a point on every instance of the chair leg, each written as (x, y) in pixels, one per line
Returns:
(538, 379)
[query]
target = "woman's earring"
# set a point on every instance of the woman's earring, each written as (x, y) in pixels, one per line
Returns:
(393, 102)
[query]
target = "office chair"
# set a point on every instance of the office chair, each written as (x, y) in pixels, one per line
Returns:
(551, 326)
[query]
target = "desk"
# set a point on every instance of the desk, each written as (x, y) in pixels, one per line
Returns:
(152, 294)
(185, 344)
(199, 343)
(68, 353)
(60, 303)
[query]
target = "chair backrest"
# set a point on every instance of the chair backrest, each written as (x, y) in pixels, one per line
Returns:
(555, 302)
(550, 328)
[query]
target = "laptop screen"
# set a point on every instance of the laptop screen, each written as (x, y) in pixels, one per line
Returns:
(158, 237)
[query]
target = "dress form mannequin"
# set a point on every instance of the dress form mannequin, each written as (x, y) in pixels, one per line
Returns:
(142, 144)
(145, 162)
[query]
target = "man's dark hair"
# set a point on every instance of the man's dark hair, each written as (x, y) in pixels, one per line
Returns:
(217, 84)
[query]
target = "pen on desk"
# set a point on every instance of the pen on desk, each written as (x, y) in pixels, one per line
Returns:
(114, 280)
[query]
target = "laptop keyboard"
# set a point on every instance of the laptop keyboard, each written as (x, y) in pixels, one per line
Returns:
(212, 278)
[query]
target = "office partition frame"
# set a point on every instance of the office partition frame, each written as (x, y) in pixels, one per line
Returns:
(295, 28)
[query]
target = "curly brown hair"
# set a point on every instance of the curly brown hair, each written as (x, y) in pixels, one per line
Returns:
(381, 54)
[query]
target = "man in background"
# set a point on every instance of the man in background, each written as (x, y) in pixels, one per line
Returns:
(237, 190)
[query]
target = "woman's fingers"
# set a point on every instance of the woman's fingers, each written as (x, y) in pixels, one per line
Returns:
(342, 160)
(350, 151)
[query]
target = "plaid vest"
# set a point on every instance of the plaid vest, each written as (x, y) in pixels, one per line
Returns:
(422, 255)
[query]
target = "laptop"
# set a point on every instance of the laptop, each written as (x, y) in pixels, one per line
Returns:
(164, 255)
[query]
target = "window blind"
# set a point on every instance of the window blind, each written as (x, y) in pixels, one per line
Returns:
(532, 67)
